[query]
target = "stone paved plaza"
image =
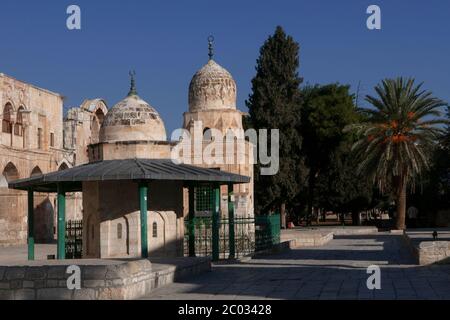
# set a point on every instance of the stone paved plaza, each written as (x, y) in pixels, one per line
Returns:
(336, 270)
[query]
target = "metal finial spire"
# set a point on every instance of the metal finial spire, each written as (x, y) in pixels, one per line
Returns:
(210, 47)
(133, 83)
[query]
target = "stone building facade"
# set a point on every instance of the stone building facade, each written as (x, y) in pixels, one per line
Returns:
(34, 140)
(134, 129)
(131, 129)
(212, 105)
(111, 224)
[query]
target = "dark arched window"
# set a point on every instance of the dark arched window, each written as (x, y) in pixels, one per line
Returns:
(7, 115)
(154, 230)
(119, 231)
(63, 166)
(207, 134)
(10, 173)
(18, 127)
(36, 172)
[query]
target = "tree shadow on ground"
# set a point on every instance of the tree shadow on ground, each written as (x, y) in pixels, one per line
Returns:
(310, 274)
(277, 281)
(391, 250)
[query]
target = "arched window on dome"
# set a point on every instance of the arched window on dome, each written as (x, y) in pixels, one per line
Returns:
(207, 134)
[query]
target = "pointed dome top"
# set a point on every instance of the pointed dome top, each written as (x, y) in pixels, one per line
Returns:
(132, 119)
(212, 88)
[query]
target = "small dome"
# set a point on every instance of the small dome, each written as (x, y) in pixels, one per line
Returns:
(212, 88)
(132, 119)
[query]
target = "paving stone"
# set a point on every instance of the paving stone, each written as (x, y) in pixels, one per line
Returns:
(15, 273)
(24, 294)
(336, 270)
(6, 294)
(54, 294)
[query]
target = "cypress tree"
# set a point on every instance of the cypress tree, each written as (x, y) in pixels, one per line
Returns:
(274, 104)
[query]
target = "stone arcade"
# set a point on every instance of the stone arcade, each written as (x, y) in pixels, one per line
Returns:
(34, 139)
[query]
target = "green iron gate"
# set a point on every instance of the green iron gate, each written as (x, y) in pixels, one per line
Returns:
(251, 234)
(242, 230)
(244, 236)
(74, 239)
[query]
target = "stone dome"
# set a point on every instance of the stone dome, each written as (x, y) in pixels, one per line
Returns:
(212, 88)
(132, 119)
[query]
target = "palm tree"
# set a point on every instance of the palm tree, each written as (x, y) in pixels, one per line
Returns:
(395, 139)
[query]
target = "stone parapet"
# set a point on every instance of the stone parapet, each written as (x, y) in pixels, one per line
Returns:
(100, 279)
(426, 250)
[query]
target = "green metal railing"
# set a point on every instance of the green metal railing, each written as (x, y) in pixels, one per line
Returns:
(244, 236)
(250, 235)
(74, 239)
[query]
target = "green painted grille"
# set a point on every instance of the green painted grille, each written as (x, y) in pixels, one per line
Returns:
(203, 196)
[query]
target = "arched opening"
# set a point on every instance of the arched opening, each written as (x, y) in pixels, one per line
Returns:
(100, 116)
(18, 126)
(10, 201)
(63, 166)
(10, 172)
(43, 213)
(8, 112)
(96, 123)
(207, 134)
(36, 172)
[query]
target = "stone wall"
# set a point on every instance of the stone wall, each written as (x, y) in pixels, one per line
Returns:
(34, 146)
(82, 127)
(112, 225)
(426, 251)
(100, 280)
(306, 238)
(129, 150)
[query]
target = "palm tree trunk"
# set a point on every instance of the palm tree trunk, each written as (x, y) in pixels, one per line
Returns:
(283, 215)
(401, 205)
(311, 186)
(318, 216)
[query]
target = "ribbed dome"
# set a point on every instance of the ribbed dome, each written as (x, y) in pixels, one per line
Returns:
(132, 119)
(212, 88)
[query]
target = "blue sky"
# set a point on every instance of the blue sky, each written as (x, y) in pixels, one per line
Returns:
(165, 42)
